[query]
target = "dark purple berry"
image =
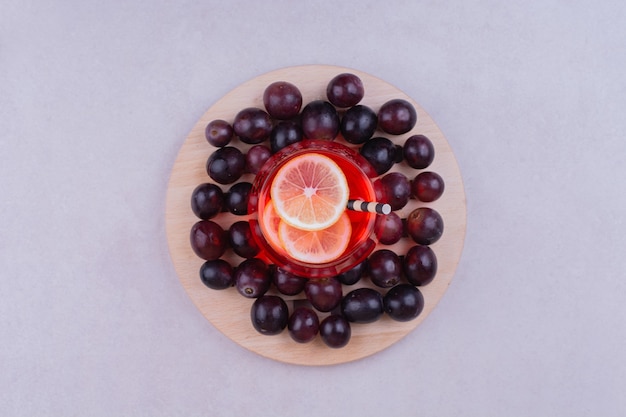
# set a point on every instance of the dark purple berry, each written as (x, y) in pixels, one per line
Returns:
(397, 116)
(226, 165)
(363, 305)
(303, 325)
(252, 278)
(345, 90)
(323, 294)
(252, 125)
(396, 190)
(403, 302)
(218, 133)
(269, 314)
(335, 331)
(256, 157)
(208, 240)
(241, 240)
(419, 151)
(207, 201)
(385, 268)
(420, 265)
(388, 228)
(217, 274)
(282, 100)
(380, 153)
(353, 275)
(320, 120)
(427, 186)
(284, 134)
(286, 282)
(425, 225)
(358, 124)
(236, 200)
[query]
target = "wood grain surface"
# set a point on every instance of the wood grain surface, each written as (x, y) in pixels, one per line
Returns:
(226, 309)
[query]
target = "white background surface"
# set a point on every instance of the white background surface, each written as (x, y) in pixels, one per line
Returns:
(97, 97)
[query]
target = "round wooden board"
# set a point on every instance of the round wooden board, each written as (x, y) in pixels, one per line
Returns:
(227, 310)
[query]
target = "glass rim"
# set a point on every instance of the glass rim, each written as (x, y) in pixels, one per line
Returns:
(350, 258)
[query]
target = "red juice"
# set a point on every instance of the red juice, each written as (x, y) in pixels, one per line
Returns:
(358, 173)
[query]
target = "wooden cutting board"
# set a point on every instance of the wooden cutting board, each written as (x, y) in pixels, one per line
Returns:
(226, 309)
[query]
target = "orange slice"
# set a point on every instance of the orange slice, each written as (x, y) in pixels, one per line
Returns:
(319, 246)
(269, 225)
(310, 192)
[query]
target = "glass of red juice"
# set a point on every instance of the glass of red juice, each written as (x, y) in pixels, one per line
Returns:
(359, 174)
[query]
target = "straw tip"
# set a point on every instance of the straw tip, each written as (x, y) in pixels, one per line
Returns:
(386, 208)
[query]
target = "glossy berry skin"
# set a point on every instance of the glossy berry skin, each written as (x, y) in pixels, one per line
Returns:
(395, 189)
(385, 268)
(286, 282)
(256, 157)
(218, 133)
(388, 228)
(282, 100)
(418, 151)
(217, 274)
(427, 186)
(397, 116)
(236, 200)
(363, 305)
(226, 165)
(345, 90)
(252, 278)
(303, 325)
(285, 133)
(241, 240)
(419, 265)
(207, 201)
(380, 153)
(269, 314)
(403, 302)
(319, 120)
(208, 240)
(252, 125)
(424, 225)
(358, 124)
(323, 294)
(353, 275)
(335, 331)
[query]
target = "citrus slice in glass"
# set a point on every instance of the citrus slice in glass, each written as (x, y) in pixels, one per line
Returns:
(269, 225)
(310, 192)
(316, 246)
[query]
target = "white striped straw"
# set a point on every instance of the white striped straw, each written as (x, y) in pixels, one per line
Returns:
(369, 206)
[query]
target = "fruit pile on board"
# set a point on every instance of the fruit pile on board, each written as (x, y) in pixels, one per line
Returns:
(328, 306)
